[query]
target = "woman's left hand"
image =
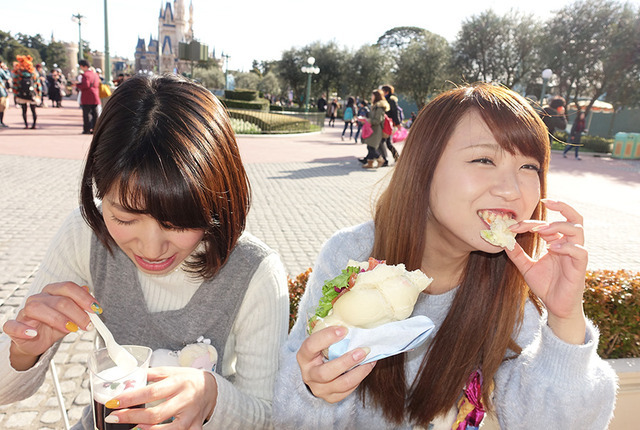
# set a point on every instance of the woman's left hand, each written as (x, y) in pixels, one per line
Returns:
(558, 277)
(190, 397)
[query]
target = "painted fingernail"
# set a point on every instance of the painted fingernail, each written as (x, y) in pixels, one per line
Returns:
(71, 326)
(96, 308)
(113, 404)
(89, 327)
(86, 287)
(30, 332)
(112, 419)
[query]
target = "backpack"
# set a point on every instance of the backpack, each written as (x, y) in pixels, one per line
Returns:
(387, 129)
(26, 91)
(348, 114)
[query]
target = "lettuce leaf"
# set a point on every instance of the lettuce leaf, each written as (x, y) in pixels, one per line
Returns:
(331, 289)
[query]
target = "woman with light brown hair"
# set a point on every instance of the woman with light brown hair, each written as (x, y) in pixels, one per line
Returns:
(510, 336)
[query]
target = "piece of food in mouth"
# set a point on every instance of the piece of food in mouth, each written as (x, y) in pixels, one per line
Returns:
(499, 233)
(368, 294)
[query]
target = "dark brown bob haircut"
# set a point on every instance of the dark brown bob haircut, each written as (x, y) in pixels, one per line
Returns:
(488, 307)
(165, 144)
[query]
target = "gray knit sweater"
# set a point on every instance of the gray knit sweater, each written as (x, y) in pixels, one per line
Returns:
(551, 385)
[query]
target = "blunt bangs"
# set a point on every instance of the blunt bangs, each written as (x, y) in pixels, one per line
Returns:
(165, 147)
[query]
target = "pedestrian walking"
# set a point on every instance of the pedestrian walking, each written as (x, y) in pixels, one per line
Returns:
(56, 89)
(379, 106)
(554, 117)
(5, 85)
(89, 86)
(363, 112)
(333, 112)
(349, 116)
(394, 114)
(26, 86)
(575, 136)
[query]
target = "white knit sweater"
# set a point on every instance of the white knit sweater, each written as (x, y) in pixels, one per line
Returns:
(251, 352)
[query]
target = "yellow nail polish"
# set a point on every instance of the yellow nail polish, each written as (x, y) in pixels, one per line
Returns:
(86, 287)
(71, 326)
(96, 308)
(113, 404)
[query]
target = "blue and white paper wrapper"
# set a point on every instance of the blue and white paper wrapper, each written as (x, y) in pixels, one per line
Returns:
(385, 340)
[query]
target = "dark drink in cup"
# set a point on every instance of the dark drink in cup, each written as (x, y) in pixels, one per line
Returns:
(109, 381)
(101, 412)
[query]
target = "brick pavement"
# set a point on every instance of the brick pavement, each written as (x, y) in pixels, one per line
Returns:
(304, 188)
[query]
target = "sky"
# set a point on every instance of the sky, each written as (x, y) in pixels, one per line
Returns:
(254, 29)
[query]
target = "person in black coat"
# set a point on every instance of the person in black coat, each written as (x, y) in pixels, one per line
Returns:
(553, 116)
(394, 114)
(322, 103)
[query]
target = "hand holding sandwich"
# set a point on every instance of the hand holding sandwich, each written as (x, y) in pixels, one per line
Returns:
(332, 380)
(365, 295)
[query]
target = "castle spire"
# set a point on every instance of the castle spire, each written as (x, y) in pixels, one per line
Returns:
(190, 36)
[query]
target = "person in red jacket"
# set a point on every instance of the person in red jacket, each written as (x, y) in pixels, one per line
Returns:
(90, 96)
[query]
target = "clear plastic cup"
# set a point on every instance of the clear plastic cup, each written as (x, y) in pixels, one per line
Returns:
(109, 381)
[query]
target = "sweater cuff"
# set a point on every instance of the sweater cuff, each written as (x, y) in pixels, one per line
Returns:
(562, 360)
(18, 384)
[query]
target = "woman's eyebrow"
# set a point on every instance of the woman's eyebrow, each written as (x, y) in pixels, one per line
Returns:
(118, 206)
(480, 145)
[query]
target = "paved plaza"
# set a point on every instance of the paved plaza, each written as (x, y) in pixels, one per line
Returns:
(304, 187)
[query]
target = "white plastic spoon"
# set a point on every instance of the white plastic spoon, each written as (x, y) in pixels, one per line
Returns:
(118, 354)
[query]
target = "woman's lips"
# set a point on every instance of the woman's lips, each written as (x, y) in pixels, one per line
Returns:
(155, 266)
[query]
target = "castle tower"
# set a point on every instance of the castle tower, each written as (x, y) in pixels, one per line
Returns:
(190, 32)
(172, 29)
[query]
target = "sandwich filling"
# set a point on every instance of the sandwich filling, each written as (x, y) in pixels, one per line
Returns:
(499, 233)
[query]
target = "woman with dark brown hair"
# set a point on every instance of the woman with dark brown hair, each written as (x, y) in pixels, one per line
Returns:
(159, 243)
(511, 339)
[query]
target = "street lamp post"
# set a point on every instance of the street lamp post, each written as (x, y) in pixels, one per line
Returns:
(78, 18)
(226, 70)
(107, 58)
(546, 75)
(309, 70)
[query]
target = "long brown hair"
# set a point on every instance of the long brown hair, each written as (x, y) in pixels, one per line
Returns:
(167, 146)
(489, 303)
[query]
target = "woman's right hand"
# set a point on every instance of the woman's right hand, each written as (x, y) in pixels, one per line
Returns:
(331, 380)
(47, 317)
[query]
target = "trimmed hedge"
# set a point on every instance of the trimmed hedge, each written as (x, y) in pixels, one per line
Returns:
(611, 301)
(259, 105)
(273, 122)
(243, 95)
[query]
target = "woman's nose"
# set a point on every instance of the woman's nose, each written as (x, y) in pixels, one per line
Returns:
(506, 186)
(153, 243)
